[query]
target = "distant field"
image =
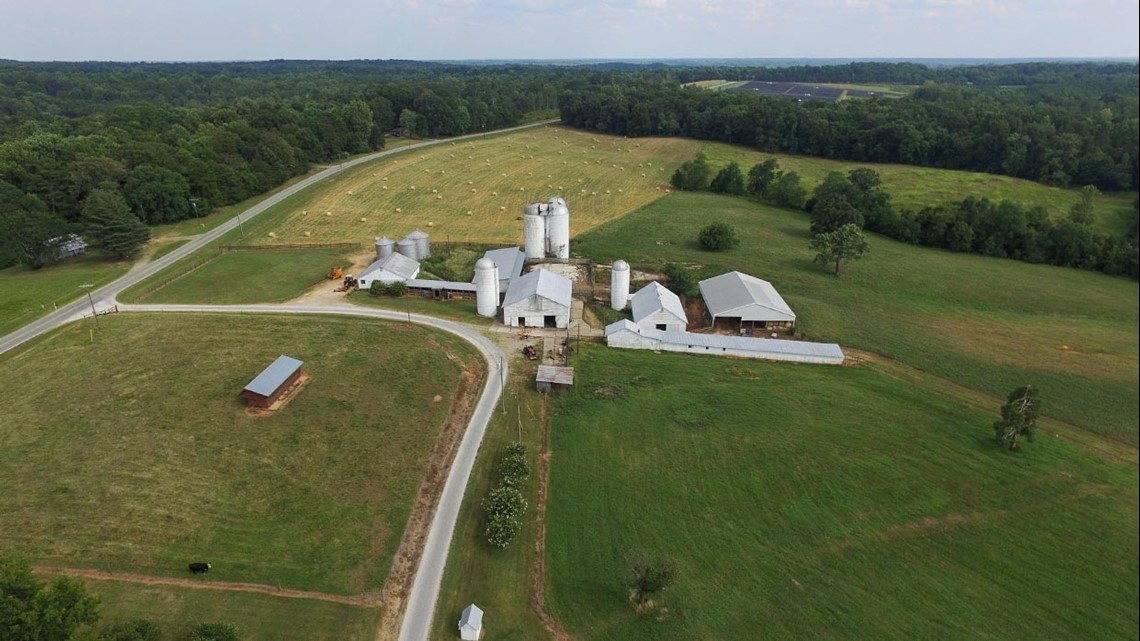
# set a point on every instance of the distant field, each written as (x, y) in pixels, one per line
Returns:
(254, 276)
(828, 91)
(258, 617)
(989, 324)
(824, 502)
(26, 294)
(164, 466)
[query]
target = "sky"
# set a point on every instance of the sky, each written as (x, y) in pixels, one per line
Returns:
(212, 30)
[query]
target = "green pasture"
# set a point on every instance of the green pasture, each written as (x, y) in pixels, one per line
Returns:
(258, 617)
(134, 452)
(987, 323)
(27, 294)
(804, 501)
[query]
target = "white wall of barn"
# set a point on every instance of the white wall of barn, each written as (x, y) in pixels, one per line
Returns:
(662, 317)
(630, 340)
(534, 310)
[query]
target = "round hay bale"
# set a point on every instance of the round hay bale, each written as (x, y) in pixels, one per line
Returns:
(308, 234)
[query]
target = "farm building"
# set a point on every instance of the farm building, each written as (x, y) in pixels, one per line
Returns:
(553, 377)
(68, 246)
(655, 307)
(509, 261)
(471, 623)
(538, 299)
(629, 335)
(739, 301)
(394, 268)
(268, 386)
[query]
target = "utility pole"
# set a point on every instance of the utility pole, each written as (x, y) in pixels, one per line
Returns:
(240, 227)
(502, 387)
(94, 314)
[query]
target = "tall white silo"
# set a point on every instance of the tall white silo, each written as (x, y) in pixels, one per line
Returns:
(486, 287)
(534, 232)
(423, 250)
(407, 247)
(384, 247)
(558, 229)
(619, 285)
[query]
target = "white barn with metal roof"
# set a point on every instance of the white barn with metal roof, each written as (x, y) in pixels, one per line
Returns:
(655, 307)
(747, 299)
(629, 335)
(394, 268)
(538, 299)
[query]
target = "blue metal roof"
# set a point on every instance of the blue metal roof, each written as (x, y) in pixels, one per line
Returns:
(273, 376)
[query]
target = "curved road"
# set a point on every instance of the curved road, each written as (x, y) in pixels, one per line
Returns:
(425, 589)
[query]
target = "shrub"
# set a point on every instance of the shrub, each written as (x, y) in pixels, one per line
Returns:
(501, 530)
(214, 632)
(513, 467)
(504, 502)
(717, 237)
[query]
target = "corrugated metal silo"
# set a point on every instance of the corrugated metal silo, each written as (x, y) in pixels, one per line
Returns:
(558, 229)
(423, 250)
(486, 287)
(534, 233)
(407, 247)
(384, 247)
(619, 285)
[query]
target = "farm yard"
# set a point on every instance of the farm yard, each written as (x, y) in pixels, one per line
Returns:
(166, 466)
(838, 503)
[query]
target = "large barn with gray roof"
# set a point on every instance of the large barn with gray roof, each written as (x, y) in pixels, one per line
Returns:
(739, 301)
(538, 299)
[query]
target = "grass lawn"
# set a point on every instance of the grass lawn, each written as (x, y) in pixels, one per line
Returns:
(161, 464)
(258, 617)
(254, 276)
(986, 323)
(27, 294)
(824, 502)
(498, 581)
(462, 310)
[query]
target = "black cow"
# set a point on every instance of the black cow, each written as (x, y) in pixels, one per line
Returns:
(199, 568)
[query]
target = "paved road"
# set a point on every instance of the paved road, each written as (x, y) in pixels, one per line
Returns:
(105, 296)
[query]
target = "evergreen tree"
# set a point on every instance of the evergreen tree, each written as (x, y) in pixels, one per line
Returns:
(109, 224)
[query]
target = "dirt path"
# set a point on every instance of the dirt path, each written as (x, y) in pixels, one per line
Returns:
(538, 597)
(398, 586)
(202, 584)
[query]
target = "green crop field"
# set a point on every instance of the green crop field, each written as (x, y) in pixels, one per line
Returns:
(987, 323)
(824, 502)
(27, 294)
(258, 617)
(134, 453)
(253, 276)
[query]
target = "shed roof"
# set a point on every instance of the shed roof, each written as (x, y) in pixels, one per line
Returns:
(398, 265)
(750, 298)
(472, 617)
(654, 297)
(273, 376)
(555, 374)
(742, 343)
(509, 260)
(542, 283)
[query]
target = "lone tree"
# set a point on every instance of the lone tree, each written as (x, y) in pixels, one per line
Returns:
(109, 224)
(717, 237)
(845, 243)
(692, 175)
(1018, 416)
(645, 576)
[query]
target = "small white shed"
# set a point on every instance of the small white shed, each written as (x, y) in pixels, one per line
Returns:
(538, 299)
(655, 307)
(394, 268)
(471, 623)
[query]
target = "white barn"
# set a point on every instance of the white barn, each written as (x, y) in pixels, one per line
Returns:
(629, 335)
(538, 299)
(471, 623)
(394, 268)
(655, 307)
(743, 301)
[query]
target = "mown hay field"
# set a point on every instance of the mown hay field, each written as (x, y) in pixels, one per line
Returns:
(135, 453)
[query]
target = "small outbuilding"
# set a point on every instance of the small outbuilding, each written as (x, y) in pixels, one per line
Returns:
(739, 301)
(394, 268)
(655, 307)
(274, 381)
(538, 299)
(471, 623)
(554, 377)
(68, 246)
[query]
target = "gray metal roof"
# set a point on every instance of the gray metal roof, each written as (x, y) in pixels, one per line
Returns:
(555, 374)
(509, 260)
(654, 297)
(384, 240)
(542, 283)
(416, 234)
(752, 299)
(719, 341)
(273, 376)
(472, 616)
(449, 285)
(396, 264)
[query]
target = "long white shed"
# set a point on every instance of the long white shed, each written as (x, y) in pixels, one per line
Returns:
(629, 335)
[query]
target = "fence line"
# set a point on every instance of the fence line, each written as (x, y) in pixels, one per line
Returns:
(229, 248)
(198, 265)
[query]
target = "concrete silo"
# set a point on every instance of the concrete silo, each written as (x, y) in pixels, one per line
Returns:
(384, 247)
(407, 247)
(486, 287)
(423, 250)
(534, 231)
(619, 285)
(558, 229)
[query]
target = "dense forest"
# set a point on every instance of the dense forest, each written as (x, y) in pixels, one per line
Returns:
(113, 147)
